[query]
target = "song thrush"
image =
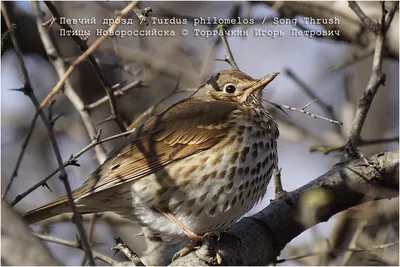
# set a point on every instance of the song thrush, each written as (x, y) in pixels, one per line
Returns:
(194, 168)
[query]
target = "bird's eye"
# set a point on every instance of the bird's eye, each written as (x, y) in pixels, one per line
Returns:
(230, 89)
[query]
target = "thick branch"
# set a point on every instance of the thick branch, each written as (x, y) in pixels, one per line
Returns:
(18, 246)
(264, 235)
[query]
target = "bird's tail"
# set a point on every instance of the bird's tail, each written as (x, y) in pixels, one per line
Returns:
(51, 209)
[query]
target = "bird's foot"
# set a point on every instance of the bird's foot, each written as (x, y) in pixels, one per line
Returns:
(196, 241)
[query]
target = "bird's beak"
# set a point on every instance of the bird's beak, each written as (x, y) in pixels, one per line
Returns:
(260, 84)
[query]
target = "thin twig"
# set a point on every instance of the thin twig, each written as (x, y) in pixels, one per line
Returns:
(311, 254)
(329, 149)
(28, 90)
(24, 145)
(93, 220)
(84, 55)
(302, 110)
(229, 57)
(77, 245)
(310, 93)
(377, 78)
(69, 91)
(358, 56)
(353, 242)
(118, 92)
(71, 161)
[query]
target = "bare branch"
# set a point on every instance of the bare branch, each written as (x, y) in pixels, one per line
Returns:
(328, 149)
(77, 245)
(383, 246)
(369, 23)
(71, 161)
(63, 175)
(377, 78)
(302, 110)
(100, 74)
(84, 55)
(353, 242)
(358, 56)
(69, 91)
(119, 92)
(21, 154)
(229, 57)
(327, 108)
(351, 29)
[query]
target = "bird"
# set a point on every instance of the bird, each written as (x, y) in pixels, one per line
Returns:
(192, 169)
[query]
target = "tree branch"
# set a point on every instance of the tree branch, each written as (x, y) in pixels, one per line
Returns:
(18, 246)
(369, 23)
(82, 57)
(71, 161)
(310, 93)
(351, 29)
(77, 245)
(264, 235)
(229, 57)
(328, 149)
(69, 91)
(28, 90)
(377, 78)
(100, 74)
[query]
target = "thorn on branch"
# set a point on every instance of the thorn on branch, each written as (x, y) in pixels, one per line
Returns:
(22, 90)
(53, 121)
(47, 186)
(73, 162)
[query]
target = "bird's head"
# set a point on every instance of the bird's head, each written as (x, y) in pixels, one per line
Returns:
(233, 85)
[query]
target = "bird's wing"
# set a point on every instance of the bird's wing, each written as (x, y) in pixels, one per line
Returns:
(182, 130)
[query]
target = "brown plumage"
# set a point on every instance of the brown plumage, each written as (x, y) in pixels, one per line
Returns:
(205, 160)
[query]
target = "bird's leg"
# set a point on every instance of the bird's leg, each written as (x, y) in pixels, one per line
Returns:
(196, 239)
(279, 192)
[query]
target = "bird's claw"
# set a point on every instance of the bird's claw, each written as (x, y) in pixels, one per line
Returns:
(196, 241)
